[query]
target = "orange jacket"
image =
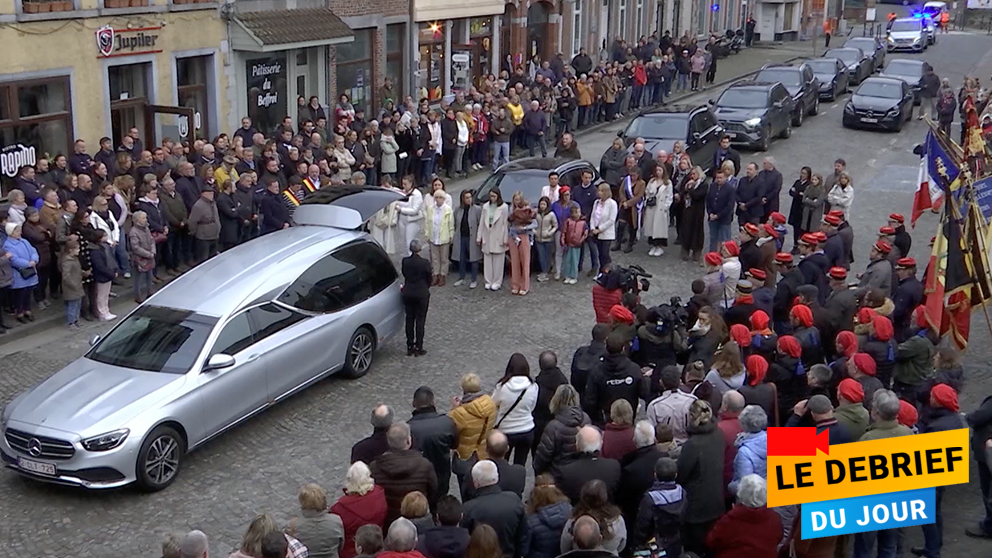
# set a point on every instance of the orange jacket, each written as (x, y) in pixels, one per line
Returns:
(945, 17)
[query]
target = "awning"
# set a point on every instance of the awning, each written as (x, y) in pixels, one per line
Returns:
(277, 30)
(441, 10)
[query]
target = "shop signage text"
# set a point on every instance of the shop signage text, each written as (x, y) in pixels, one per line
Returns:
(13, 157)
(263, 72)
(122, 42)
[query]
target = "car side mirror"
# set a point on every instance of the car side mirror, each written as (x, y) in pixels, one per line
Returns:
(94, 340)
(696, 136)
(218, 361)
(620, 134)
(918, 149)
(778, 104)
(712, 102)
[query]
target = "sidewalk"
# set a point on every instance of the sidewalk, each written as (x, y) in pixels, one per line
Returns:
(730, 69)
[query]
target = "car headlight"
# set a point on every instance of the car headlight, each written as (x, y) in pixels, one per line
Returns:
(107, 441)
(752, 122)
(849, 107)
(890, 39)
(892, 111)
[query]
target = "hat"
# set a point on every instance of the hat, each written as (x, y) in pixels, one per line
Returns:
(740, 334)
(808, 239)
(621, 314)
(757, 367)
(866, 315)
(838, 273)
(751, 229)
(821, 236)
(230, 159)
(883, 328)
(851, 389)
(713, 258)
(759, 320)
(757, 273)
(882, 246)
(831, 220)
(819, 404)
(897, 217)
(770, 230)
(745, 287)
(847, 343)
(10, 228)
(783, 258)
(921, 317)
(732, 248)
(836, 213)
(790, 346)
(886, 231)
(562, 189)
(803, 314)
(777, 218)
(904, 263)
(946, 396)
(864, 363)
(908, 416)
(206, 188)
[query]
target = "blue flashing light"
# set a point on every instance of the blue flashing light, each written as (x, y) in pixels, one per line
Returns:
(715, 7)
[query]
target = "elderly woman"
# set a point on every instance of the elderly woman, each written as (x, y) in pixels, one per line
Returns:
(701, 474)
(321, 532)
(557, 445)
(15, 213)
(251, 543)
(474, 414)
(363, 503)
(752, 446)
(142, 255)
(24, 261)
(618, 437)
(749, 528)
(602, 224)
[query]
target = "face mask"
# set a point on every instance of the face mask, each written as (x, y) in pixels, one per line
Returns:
(700, 327)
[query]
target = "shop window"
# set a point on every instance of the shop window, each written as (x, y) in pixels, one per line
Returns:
(576, 27)
(431, 67)
(354, 69)
(481, 40)
(192, 88)
(790, 14)
(128, 87)
(35, 120)
(395, 45)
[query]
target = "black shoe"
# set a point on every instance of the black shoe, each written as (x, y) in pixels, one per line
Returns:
(977, 532)
(918, 551)
(410, 351)
(22, 319)
(419, 352)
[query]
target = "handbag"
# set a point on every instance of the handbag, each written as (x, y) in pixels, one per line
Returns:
(27, 272)
(159, 237)
(651, 201)
(512, 407)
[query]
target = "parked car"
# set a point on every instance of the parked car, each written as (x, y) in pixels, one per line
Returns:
(872, 46)
(800, 82)
(530, 174)
(908, 33)
(934, 9)
(930, 24)
(880, 102)
(694, 125)
(909, 70)
(224, 341)
(832, 75)
(753, 112)
(858, 63)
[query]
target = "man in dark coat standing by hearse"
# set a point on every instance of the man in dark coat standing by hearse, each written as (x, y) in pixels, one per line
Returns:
(416, 297)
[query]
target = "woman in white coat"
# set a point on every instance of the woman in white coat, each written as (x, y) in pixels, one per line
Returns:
(516, 397)
(602, 224)
(841, 196)
(657, 200)
(411, 212)
(492, 238)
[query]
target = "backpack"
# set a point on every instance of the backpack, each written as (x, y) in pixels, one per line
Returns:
(583, 364)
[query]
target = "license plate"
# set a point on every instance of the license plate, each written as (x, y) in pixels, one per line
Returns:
(731, 135)
(870, 120)
(36, 467)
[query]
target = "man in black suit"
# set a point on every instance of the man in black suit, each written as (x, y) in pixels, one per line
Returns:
(723, 153)
(416, 297)
(589, 466)
(434, 435)
(512, 477)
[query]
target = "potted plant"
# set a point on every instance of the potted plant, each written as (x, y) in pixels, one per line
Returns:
(31, 7)
(47, 7)
(68, 6)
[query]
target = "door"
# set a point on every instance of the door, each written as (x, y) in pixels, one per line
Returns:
(783, 106)
(229, 394)
(287, 338)
(169, 122)
(604, 26)
(704, 132)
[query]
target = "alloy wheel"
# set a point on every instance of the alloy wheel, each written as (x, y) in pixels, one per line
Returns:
(361, 352)
(162, 459)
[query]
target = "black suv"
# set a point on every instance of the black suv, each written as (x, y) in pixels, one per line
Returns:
(753, 112)
(801, 83)
(695, 126)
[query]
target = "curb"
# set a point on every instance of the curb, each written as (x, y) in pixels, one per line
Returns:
(56, 319)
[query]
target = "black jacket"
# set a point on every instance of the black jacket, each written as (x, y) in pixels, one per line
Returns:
(503, 511)
(104, 267)
(785, 291)
(814, 268)
(156, 219)
(512, 478)
(416, 277)
(660, 516)
(444, 541)
(980, 421)
(771, 186)
(557, 445)
(589, 467)
(836, 432)
(187, 188)
(616, 378)
(884, 355)
(750, 255)
(368, 449)
(585, 360)
(637, 475)
(704, 348)
(274, 212)
(701, 473)
(544, 528)
(435, 435)
(903, 241)
(547, 382)
(230, 224)
(908, 295)
(941, 420)
(835, 252)
(789, 377)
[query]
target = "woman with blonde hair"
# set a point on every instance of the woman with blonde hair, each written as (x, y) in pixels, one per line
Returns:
(601, 224)
(484, 543)
(701, 474)
(251, 542)
(694, 214)
(557, 445)
(547, 513)
(727, 372)
(521, 222)
(320, 531)
(474, 414)
(363, 503)
(841, 195)
(415, 508)
(658, 196)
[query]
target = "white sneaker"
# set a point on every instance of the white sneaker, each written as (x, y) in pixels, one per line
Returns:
(489, 287)
(108, 318)
(557, 276)
(474, 284)
(127, 275)
(661, 251)
(496, 287)
(459, 282)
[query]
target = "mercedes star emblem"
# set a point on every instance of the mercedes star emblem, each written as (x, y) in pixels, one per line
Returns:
(34, 447)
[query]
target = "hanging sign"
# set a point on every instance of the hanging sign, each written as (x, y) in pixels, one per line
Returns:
(125, 42)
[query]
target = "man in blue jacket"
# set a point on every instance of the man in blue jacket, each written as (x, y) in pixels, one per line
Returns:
(720, 203)
(534, 123)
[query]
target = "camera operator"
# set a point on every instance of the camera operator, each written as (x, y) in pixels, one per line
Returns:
(661, 339)
(616, 377)
(610, 287)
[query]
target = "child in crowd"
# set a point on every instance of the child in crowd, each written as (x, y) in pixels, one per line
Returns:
(72, 282)
(573, 236)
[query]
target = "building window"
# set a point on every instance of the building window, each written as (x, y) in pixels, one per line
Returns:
(191, 83)
(395, 43)
(35, 120)
(790, 14)
(354, 69)
(431, 68)
(659, 23)
(129, 86)
(622, 20)
(703, 12)
(481, 38)
(576, 27)
(638, 21)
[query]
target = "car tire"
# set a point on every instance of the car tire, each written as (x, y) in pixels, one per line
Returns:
(899, 123)
(797, 118)
(787, 132)
(162, 451)
(766, 139)
(816, 107)
(361, 353)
